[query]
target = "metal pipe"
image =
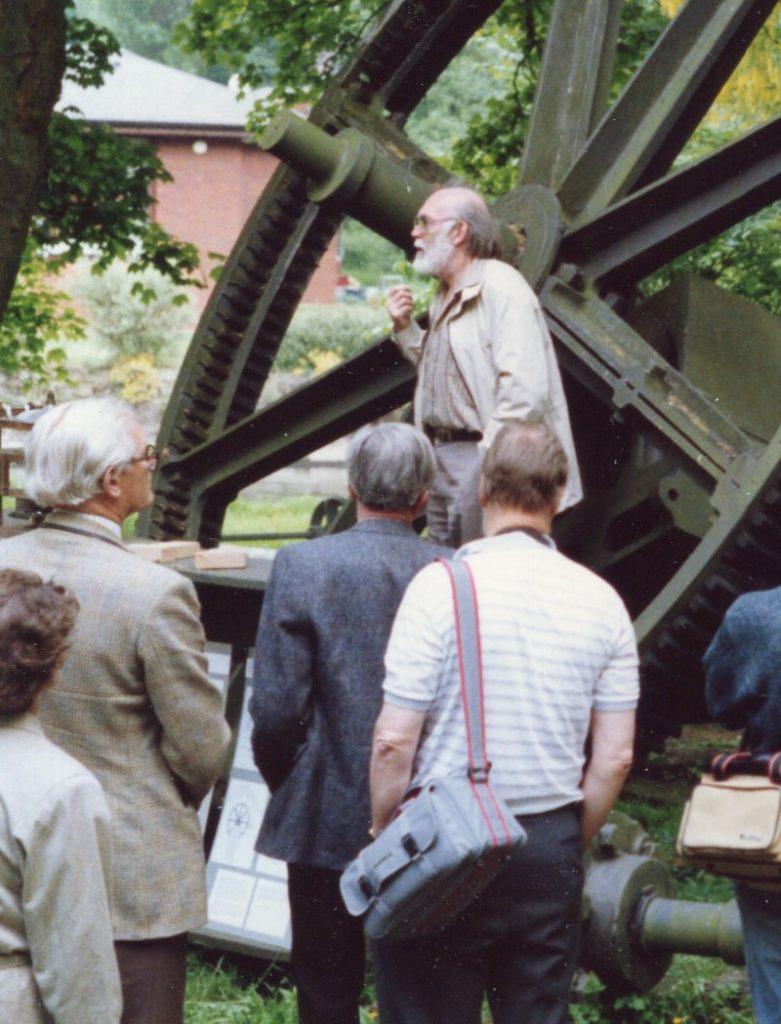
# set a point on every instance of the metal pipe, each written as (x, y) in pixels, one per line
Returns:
(702, 929)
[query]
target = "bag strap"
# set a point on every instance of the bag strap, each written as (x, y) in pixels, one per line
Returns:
(83, 533)
(470, 665)
(723, 766)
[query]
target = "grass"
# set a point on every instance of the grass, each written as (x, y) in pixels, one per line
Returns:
(220, 991)
(269, 515)
(259, 515)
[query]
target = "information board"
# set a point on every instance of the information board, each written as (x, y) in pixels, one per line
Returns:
(248, 907)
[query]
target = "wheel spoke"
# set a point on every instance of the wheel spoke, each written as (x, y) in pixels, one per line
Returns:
(365, 387)
(659, 109)
(605, 353)
(436, 30)
(649, 228)
(572, 91)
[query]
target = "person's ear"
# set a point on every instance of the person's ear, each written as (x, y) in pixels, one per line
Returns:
(459, 233)
(351, 492)
(555, 505)
(109, 483)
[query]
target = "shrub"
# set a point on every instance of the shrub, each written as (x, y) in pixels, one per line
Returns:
(134, 314)
(343, 330)
(137, 378)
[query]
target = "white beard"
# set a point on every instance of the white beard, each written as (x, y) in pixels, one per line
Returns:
(434, 259)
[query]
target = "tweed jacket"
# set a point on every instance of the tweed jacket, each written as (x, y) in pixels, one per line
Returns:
(135, 705)
(326, 617)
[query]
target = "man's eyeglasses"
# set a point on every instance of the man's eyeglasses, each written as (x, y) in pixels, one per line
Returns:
(151, 456)
(425, 223)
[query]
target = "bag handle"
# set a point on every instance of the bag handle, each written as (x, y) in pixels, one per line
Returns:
(470, 665)
(724, 766)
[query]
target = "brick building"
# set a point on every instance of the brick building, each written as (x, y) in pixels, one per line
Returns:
(197, 129)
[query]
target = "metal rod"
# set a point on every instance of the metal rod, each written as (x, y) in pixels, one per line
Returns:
(702, 929)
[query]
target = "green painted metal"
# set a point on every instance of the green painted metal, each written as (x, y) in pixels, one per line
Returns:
(699, 929)
(574, 82)
(683, 488)
(672, 400)
(613, 892)
(646, 128)
(639, 234)
(348, 171)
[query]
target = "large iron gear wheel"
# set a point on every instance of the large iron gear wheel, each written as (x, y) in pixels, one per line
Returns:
(683, 490)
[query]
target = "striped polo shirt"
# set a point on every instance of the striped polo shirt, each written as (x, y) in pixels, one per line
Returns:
(556, 643)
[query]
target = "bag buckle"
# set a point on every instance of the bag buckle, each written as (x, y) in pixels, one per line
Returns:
(410, 846)
(366, 888)
(480, 773)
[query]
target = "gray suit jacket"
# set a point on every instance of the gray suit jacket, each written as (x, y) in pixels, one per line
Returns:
(326, 618)
(135, 705)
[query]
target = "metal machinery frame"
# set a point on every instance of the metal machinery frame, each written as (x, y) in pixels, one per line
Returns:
(673, 401)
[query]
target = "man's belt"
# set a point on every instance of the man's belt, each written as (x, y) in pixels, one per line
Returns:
(444, 435)
(9, 960)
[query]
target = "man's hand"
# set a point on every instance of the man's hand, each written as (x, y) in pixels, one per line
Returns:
(400, 305)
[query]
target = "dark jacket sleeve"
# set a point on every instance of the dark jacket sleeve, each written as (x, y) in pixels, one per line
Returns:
(743, 672)
(730, 683)
(284, 665)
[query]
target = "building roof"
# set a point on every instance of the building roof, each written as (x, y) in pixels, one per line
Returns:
(144, 94)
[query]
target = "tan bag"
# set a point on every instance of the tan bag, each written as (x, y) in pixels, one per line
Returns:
(732, 825)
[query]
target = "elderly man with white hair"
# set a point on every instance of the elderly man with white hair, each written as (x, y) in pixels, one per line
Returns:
(134, 704)
(486, 357)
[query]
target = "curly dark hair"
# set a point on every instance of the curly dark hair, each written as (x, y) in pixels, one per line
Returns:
(36, 619)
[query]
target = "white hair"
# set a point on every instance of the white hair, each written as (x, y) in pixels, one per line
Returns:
(390, 465)
(72, 445)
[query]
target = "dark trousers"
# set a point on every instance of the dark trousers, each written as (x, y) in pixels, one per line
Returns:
(153, 974)
(328, 950)
(517, 943)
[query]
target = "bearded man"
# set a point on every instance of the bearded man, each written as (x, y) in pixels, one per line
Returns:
(486, 358)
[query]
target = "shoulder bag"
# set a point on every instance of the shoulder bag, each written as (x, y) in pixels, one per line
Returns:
(448, 840)
(732, 822)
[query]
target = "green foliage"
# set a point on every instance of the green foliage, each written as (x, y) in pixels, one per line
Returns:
(305, 42)
(746, 260)
(133, 315)
(37, 319)
(488, 152)
(136, 378)
(89, 49)
(343, 329)
(655, 796)
(97, 199)
(98, 189)
(215, 996)
(463, 91)
(146, 27)
(365, 255)
(220, 995)
(694, 992)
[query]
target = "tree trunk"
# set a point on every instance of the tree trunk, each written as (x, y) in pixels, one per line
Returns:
(32, 63)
